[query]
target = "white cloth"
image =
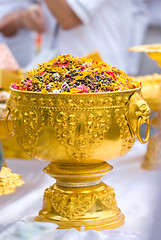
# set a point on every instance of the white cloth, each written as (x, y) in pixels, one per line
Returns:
(139, 27)
(49, 37)
(22, 45)
(136, 191)
(108, 27)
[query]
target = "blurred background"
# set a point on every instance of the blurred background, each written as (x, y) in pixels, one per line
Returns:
(36, 31)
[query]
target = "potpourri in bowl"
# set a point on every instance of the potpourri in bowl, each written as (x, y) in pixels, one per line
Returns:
(66, 74)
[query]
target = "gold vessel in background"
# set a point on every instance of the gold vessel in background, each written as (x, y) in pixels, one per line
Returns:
(8, 181)
(78, 133)
(152, 94)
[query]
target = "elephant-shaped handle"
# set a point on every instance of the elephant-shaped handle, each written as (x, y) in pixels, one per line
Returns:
(139, 112)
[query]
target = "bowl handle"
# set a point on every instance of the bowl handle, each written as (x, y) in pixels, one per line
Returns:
(139, 113)
(6, 123)
(138, 130)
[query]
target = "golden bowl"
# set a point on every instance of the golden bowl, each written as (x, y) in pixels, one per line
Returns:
(78, 133)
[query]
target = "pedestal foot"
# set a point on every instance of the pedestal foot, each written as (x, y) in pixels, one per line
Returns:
(93, 207)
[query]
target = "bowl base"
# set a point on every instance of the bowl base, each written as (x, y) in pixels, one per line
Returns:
(84, 208)
(82, 226)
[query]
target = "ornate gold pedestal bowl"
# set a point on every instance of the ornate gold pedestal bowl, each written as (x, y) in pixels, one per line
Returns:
(77, 133)
(152, 94)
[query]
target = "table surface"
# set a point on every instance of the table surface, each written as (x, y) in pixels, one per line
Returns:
(137, 194)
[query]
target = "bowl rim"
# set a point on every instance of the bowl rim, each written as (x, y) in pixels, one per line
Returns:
(76, 94)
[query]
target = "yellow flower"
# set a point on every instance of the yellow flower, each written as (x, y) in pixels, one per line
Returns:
(44, 91)
(75, 90)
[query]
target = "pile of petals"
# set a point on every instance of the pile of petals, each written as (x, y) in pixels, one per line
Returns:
(69, 74)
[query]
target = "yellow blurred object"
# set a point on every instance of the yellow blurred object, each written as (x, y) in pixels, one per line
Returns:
(3, 132)
(152, 94)
(12, 149)
(151, 90)
(10, 146)
(8, 77)
(9, 181)
(95, 55)
(153, 51)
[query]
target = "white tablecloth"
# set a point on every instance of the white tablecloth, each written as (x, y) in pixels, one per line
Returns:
(137, 194)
